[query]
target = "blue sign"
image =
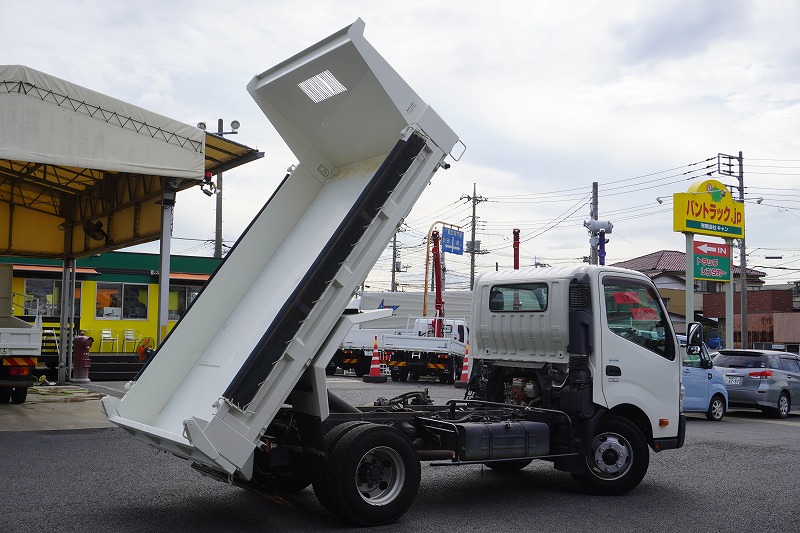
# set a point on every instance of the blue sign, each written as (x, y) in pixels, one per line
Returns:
(452, 241)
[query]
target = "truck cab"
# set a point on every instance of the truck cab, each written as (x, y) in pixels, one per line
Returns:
(594, 342)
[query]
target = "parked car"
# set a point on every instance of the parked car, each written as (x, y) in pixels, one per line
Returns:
(764, 379)
(703, 384)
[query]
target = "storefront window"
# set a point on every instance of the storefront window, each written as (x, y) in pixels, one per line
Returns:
(43, 297)
(121, 300)
(180, 297)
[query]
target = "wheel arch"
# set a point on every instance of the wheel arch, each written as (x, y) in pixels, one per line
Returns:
(635, 416)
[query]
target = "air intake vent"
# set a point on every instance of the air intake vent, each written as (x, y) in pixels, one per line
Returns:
(321, 87)
(580, 298)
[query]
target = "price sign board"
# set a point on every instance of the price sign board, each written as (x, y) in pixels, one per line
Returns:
(712, 261)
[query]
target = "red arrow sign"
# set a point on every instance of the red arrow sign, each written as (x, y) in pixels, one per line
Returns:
(711, 248)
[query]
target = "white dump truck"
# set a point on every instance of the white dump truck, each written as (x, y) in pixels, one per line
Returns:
(239, 389)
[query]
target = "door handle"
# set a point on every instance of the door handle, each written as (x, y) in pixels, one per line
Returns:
(612, 370)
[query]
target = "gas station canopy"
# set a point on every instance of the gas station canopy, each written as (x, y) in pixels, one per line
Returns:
(82, 172)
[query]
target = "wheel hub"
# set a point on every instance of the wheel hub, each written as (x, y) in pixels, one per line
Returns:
(611, 456)
(370, 473)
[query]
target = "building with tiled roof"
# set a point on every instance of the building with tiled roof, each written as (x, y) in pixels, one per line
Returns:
(667, 269)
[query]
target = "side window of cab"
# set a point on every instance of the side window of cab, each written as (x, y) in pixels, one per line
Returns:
(634, 312)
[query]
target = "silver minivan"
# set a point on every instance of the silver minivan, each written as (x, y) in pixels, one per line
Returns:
(764, 379)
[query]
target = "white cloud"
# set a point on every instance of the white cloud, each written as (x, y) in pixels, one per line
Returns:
(546, 95)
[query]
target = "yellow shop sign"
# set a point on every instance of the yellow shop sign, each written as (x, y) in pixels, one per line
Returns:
(708, 209)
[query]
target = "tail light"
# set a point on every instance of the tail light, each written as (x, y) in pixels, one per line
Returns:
(762, 374)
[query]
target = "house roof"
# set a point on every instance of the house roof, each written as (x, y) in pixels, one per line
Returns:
(671, 262)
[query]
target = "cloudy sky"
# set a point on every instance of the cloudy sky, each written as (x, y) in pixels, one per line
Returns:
(547, 96)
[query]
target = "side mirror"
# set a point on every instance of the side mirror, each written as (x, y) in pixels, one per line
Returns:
(694, 336)
(707, 364)
(692, 350)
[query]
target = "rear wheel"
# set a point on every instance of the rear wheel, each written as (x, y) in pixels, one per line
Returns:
(716, 408)
(373, 475)
(319, 477)
(362, 368)
(782, 411)
(5, 394)
(19, 394)
(618, 458)
(330, 369)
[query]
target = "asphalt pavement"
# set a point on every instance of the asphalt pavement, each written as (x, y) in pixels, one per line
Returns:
(64, 469)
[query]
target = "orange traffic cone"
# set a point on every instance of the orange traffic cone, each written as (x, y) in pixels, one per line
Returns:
(462, 383)
(375, 375)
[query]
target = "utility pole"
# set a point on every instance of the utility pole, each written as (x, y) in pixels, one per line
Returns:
(743, 262)
(725, 167)
(475, 199)
(218, 229)
(593, 210)
(394, 261)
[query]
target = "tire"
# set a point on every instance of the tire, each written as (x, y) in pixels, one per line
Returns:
(330, 369)
(19, 394)
(373, 475)
(403, 375)
(362, 368)
(509, 466)
(716, 408)
(5, 395)
(319, 478)
(618, 458)
(782, 411)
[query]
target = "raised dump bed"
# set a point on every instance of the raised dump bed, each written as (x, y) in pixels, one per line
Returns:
(367, 147)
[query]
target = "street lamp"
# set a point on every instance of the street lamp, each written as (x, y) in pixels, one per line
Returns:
(235, 124)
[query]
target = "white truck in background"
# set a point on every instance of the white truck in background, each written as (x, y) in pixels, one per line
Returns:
(414, 351)
(239, 388)
(20, 346)
(407, 340)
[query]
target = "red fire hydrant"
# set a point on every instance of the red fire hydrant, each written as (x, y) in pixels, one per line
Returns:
(80, 358)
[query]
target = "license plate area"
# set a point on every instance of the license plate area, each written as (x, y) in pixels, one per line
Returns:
(733, 380)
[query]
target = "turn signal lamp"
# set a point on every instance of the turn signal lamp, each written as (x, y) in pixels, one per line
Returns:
(663, 422)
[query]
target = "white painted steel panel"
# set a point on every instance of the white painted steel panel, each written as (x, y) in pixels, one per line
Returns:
(341, 141)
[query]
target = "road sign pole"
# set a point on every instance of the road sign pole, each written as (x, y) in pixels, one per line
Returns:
(689, 280)
(729, 291)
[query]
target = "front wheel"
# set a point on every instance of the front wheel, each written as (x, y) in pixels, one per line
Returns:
(373, 475)
(716, 409)
(5, 394)
(618, 458)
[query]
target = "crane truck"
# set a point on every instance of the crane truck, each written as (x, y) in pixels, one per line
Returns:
(412, 345)
(238, 387)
